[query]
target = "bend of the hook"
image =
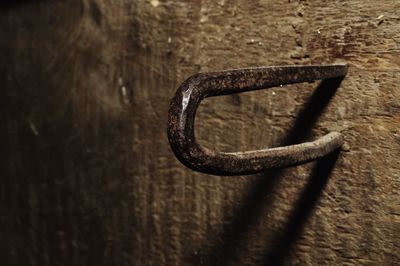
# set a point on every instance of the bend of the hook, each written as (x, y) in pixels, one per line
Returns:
(189, 95)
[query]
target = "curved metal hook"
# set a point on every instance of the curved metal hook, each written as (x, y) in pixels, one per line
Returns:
(183, 108)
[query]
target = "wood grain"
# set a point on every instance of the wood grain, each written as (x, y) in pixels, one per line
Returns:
(87, 174)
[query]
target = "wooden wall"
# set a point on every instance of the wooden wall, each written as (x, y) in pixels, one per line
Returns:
(87, 174)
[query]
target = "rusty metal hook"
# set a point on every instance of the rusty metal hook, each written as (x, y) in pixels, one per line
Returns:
(183, 108)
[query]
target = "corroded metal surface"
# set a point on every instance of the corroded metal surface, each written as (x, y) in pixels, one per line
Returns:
(189, 95)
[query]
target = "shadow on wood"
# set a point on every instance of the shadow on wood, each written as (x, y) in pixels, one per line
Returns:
(302, 210)
(228, 242)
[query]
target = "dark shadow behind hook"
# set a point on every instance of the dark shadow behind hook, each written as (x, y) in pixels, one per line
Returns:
(284, 240)
(228, 242)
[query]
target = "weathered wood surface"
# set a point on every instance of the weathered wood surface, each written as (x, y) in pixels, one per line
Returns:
(87, 175)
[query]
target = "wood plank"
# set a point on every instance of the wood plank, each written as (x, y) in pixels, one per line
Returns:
(88, 177)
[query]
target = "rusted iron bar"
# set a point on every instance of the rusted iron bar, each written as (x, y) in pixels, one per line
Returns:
(184, 104)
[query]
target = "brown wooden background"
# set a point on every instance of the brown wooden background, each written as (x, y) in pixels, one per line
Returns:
(87, 175)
